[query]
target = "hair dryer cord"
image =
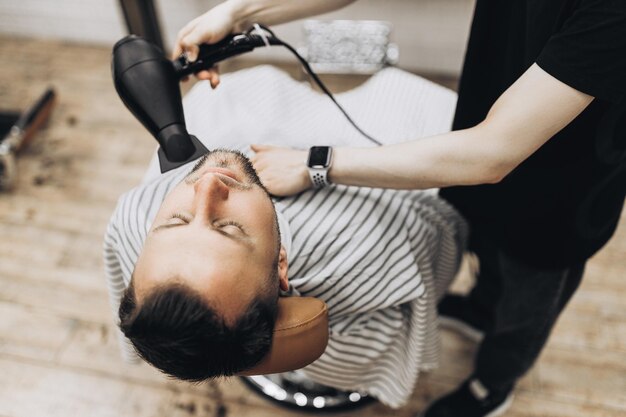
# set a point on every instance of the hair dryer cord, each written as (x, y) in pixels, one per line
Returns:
(313, 75)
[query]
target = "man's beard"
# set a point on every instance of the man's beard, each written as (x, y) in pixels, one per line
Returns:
(225, 158)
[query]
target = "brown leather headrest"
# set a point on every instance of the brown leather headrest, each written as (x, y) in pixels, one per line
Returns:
(300, 336)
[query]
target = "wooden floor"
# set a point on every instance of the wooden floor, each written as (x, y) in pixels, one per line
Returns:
(58, 354)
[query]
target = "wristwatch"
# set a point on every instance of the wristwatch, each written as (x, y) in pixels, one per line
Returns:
(319, 161)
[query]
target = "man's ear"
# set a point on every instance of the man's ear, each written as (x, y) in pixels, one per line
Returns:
(283, 265)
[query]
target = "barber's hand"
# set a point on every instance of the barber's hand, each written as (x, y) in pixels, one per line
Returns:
(283, 171)
(209, 28)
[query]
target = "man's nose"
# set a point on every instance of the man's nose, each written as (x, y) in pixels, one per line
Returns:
(210, 193)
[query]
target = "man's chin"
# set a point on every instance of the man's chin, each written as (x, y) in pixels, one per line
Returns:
(235, 161)
(229, 159)
(228, 171)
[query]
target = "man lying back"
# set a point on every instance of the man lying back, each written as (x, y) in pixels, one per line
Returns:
(197, 289)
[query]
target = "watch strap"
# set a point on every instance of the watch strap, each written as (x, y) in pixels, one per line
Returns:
(319, 177)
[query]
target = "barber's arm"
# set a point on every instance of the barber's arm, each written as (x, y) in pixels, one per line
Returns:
(524, 117)
(237, 16)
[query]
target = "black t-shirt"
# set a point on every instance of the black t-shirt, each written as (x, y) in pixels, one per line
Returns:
(563, 203)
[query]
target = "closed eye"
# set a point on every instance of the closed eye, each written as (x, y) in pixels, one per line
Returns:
(168, 223)
(228, 228)
(231, 226)
(180, 216)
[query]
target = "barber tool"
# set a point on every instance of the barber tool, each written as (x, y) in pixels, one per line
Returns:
(17, 131)
(147, 83)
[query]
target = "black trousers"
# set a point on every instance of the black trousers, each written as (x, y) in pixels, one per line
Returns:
(521, 304)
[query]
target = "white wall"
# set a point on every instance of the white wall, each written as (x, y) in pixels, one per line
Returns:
(431, 33)
(92, 21)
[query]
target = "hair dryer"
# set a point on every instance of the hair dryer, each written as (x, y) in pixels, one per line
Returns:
(147, 83)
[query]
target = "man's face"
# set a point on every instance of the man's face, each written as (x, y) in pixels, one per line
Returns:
(216, 232)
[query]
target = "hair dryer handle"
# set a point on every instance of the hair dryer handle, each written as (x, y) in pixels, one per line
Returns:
(209, 55)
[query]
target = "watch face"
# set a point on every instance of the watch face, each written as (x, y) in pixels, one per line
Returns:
(319, 157)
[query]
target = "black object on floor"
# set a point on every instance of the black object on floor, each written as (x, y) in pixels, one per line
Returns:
(296, 391)
(17, 130)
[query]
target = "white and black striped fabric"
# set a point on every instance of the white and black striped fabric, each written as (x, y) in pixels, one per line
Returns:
(380, 259)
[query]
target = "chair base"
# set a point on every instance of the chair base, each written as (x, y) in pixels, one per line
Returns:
(296, 391)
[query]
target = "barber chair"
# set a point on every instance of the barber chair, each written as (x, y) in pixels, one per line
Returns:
(359, 47)
(300, 337)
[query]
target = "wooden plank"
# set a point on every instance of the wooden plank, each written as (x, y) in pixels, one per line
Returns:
(530, 405)
(601, 302)
(606, 274)
(34, 389)
(591, 376)
(61, 300)
(30, 332)
(86, 280)
(17, 244)
(74, 216)
(578, 331)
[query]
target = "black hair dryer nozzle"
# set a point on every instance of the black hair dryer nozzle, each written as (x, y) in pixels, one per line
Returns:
(148, 85)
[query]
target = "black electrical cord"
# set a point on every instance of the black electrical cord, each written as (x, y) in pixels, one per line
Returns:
(275, 41)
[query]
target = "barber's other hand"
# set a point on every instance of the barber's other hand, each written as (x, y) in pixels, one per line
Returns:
(283, 171)
(210, 27)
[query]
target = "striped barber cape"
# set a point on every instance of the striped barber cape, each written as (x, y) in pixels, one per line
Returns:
(380, 259)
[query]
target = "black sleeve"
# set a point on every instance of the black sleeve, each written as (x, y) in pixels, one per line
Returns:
(589, 52)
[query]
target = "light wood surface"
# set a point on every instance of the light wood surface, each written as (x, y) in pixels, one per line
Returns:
(58, 353)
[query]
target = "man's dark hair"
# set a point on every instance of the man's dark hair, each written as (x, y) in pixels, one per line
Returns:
(175, 330)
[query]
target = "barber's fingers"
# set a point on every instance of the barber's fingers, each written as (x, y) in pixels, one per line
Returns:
(255, 157)
(211, 27)
(187, 43)
(178, 50)
(215, 77)
(190, 47)
(192, 35)
(257, 147)
(211, 75)
(259, 162)
(277, 158)
(282, 170)
(262, 155)
(186, 30)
